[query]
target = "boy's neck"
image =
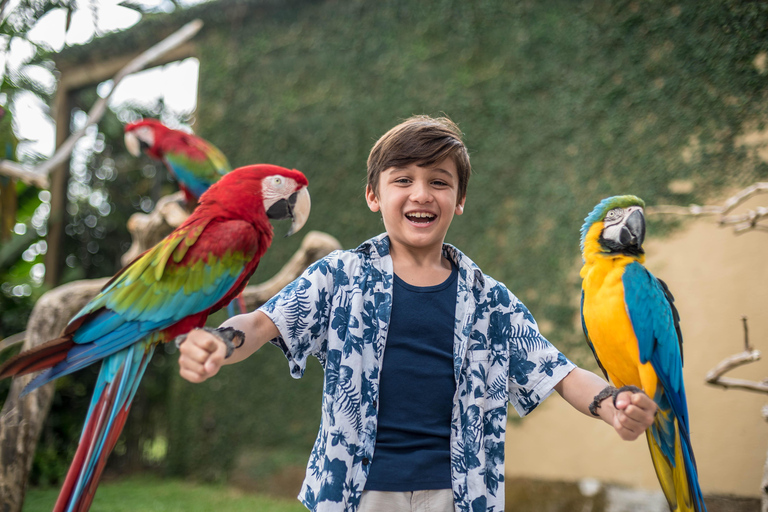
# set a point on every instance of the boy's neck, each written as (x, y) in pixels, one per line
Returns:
(420, 268)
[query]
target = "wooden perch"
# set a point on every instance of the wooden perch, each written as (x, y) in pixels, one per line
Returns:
(21, 419)
(314, 246)
(741, 223)
(715, 375)
(38, 175)
(147, 229)
(12, 340)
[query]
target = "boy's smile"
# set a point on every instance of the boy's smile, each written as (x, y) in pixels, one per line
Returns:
(417, 204)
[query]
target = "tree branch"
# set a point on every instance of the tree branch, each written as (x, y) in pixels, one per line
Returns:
(741, 223)
(13, 339)
(38, 175)
(715, 375)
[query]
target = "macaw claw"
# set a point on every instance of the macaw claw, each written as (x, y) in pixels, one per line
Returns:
(602, 395)
(633, 389)
(226, 334)
(610, 391)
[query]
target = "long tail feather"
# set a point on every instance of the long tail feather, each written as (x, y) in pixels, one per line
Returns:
(675, 465)
(38, 358)
(116, 386)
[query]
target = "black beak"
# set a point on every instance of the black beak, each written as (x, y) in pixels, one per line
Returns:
(297, 207)
(283, 208)
(633, 232)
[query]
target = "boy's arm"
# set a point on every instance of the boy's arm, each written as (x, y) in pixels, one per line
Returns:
(633, 414)
(202, 353)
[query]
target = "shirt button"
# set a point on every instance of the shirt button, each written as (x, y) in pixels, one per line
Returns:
(366, 461)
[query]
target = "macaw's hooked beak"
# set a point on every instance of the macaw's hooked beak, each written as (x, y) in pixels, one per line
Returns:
(132, 144)
(633, 232)
(297, 207)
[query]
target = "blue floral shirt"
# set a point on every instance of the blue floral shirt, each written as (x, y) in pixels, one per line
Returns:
(338, 310)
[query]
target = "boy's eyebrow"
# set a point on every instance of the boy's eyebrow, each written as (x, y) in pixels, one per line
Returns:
(394, 169)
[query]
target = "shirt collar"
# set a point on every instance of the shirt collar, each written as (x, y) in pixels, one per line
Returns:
(378, 247)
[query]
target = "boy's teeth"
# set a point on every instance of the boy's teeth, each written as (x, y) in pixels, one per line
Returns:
(421, 215)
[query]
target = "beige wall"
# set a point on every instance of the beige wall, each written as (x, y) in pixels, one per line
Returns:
(716, 277)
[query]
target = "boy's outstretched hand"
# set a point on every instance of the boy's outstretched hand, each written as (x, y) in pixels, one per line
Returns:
(203, 352)
(632, 415)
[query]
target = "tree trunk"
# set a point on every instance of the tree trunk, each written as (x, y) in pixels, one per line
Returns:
(21, 419)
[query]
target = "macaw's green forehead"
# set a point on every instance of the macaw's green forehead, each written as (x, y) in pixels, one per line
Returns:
(606, 205)
(609, 203)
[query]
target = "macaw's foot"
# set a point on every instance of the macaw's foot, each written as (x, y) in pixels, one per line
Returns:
(229, 335)
(616, 392)
(605, 393)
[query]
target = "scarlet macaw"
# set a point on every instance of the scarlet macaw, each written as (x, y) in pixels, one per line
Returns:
(632, 327)
(194, 162)
(164, 293)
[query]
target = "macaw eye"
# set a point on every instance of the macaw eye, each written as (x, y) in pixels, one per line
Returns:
(614, 214)
(278, 181)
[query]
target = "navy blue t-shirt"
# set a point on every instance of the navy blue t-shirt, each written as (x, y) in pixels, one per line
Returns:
(416, 389)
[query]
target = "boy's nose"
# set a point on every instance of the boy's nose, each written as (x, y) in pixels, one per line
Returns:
(420, 193)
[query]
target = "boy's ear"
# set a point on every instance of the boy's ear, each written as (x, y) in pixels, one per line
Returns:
(460, 206)
(371, 199)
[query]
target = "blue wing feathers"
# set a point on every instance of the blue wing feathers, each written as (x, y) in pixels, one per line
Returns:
(654, 324)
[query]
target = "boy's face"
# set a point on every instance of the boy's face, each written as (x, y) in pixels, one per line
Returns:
(417, 203)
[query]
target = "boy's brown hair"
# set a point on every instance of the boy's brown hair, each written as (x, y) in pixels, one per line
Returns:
(420, 140)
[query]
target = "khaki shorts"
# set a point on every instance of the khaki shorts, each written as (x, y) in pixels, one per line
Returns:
(440, 500)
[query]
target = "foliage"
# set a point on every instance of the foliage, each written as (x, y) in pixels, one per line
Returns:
(151, 494)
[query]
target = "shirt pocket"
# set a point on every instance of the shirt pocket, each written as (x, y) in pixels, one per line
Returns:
(488, 378)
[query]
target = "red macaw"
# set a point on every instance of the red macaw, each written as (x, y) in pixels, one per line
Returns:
(162, 294)
(195, 163)
(632, 327)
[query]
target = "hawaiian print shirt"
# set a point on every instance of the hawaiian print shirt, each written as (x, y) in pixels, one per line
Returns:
(338, 310)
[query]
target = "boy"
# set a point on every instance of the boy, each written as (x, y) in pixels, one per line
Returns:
(419, 425)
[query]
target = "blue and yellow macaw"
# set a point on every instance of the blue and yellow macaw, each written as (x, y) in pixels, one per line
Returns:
(632, 327)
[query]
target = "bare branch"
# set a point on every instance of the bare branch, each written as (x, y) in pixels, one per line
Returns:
(38, 175)
(715, 375)
(741, 223)
(12, 340)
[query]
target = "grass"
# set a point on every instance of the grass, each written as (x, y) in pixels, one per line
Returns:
(152, 494)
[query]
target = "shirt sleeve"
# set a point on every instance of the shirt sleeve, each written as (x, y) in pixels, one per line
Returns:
(535, 365)
(300, 311)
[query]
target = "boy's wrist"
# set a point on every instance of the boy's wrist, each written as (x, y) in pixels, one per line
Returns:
(597, 402)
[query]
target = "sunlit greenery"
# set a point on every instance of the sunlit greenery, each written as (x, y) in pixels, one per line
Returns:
(151, 494)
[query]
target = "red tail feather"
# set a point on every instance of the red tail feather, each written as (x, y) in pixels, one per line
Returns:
(38, 358)
(86, 452)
